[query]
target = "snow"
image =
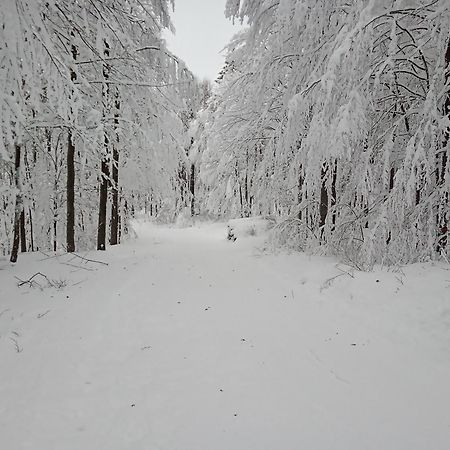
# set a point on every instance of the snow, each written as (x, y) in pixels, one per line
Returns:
(186, 341)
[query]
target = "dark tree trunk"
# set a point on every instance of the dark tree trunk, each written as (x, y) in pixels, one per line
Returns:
(19, 206)
(443, 230)
(328, 199)
(391, 179)
(115, 199)
(55, 234)
(447, 97)
(16, 239)
(246, 210)
(104, 176)
(241, 199)
(120, 228)
(55, 196)
(192, 189)
(27, 176)
(101, 236)
(70, 219)
(183, 185)
(70, 230)
(323, 207)
(23, 240)
(31, 230)
(115, 222)
(334, 194)
(301, 180)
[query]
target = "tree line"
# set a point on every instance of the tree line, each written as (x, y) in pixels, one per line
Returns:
(334, 117)
(92, 117)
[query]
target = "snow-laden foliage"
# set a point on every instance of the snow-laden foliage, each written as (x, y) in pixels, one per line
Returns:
(334, 116)
(94, 75)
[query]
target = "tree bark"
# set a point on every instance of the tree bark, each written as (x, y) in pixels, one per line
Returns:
(104, 176)
(323, 207)
(301, 180)
(443, 230)
(192, 189)
(334, 195)
(23, 240)
(115, 222)
(31, 229)
(70, 219)
(183, 185)
(19, 205)
(70, 225)
(115, 199)
(101, 235)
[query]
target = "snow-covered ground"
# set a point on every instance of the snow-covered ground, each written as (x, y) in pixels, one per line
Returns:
(187, 341)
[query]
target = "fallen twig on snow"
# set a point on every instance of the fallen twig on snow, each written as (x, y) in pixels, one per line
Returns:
(328, 282)
(16, 345)
(89, 260)
(32, 282)
(350, 274)
(58, 284)
(78, 267)
(39, 316)
(49, 256)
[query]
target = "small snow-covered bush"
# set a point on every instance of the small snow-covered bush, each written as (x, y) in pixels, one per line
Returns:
(248, 227)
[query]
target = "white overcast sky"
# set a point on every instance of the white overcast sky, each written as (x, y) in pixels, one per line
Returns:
(202, 31)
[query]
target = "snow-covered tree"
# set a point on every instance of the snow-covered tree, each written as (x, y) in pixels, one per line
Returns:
(334, 118)
(91, 106)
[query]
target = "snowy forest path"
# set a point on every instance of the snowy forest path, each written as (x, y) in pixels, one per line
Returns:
(187, 341)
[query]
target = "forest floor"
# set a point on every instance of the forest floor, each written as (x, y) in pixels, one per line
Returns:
(186, 341)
